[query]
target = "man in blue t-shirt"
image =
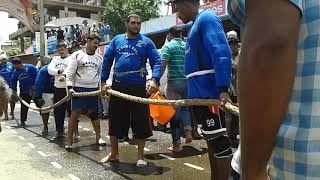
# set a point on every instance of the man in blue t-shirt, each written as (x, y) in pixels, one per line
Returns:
(130, 52)
(26, 75)
(208, 70)
(6, 70)
(44, 89)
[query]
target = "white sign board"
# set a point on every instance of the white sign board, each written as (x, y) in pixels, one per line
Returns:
(45, 42)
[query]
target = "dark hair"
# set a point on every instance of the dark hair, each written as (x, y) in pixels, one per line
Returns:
(16, 60)
(196, 2)
(132, 16)
(75, 44)
(175, 31)
(61, 45)
(93, 37)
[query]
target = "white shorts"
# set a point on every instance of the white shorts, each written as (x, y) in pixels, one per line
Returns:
(48, 101)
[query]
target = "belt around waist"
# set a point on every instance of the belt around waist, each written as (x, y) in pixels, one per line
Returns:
(141, 71)
(199, 73)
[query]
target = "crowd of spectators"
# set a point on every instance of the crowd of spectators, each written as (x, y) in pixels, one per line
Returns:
(75, 35)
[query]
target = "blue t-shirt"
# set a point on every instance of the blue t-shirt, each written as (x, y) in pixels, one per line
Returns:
(26, 78)
(207, 49)
(105, 30)
(131, 55)
(72, 32)
(44, 82)
(6, 72)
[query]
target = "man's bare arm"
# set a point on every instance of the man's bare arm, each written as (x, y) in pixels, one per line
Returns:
(266, 74)
(163, 66)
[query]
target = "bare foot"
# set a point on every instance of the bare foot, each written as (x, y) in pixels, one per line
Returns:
(175, 148)
(5, 118)
(188, 137)
(44, 132)
(59, 135)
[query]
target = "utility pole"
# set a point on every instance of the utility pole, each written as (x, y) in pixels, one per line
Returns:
(42, 40)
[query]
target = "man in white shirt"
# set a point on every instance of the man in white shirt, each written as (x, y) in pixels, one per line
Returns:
(56, 68)
(83, 75)
(85, 29)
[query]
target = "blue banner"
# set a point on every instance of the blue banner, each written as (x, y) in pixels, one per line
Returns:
(51, 46)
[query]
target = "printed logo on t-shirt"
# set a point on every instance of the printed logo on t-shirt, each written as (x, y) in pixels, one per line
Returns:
(128, 50)
(61, 65)
(23, 76)
(88, 64)
(4, 71)
(141, 44)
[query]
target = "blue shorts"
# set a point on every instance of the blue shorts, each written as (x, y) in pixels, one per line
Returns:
(89, 103)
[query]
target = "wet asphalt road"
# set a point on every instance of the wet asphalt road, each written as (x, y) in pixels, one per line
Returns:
(25, 154)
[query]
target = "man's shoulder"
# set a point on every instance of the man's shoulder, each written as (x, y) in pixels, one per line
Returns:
(145, 39)
(9, 65)
(30, 65)
(118, 37)
(207, 16)
(44, 69)
(99, 56)
(176, 41)
(55, 58)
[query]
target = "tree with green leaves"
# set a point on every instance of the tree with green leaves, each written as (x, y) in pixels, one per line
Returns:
(117, 11)
(12, 51)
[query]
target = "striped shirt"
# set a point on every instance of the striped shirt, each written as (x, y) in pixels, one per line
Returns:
(296, 155)
(173, 53)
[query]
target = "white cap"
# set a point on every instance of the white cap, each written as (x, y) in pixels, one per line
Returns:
(3, 56)
(232, 35)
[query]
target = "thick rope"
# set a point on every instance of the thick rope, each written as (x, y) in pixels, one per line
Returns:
(183, 102)
(65, 99)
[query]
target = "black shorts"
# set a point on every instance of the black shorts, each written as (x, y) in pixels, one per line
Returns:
(124, 113)
(213, 131)
(212, 124)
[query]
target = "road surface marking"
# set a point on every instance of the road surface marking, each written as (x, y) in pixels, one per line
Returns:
(22, 138)
(31, 145)
(167, 157)
(73, 177)
(194, 166)
(14, 132)
(42, 154)
(86, 129)
(56, 165)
